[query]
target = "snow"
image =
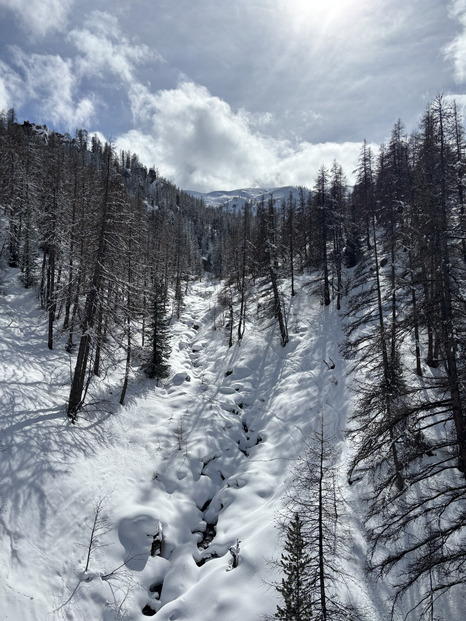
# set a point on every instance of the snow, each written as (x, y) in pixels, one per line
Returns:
(235, 199)
(205, 457)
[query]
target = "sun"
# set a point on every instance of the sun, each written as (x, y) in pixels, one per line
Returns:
(313, 14)
(305, 7)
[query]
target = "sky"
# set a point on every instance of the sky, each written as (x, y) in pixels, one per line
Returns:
(224, 94)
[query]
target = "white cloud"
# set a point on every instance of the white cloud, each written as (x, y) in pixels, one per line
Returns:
(4, 96)
(192, 136)
(456, 49)
(197, 140)
(51, 80)
(11, 88)
(56, 82)
(40, 17)
(104, 48)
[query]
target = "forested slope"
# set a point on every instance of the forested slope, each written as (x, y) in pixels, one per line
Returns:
(118, 255)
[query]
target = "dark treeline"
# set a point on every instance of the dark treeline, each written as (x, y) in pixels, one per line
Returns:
(111, 247)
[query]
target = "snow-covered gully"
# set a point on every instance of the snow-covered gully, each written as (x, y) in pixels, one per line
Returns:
(186, 480)
(224, 403)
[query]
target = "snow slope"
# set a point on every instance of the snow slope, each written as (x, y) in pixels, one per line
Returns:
(204, 457)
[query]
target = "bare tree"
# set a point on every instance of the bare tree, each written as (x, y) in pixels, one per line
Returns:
(317, 500)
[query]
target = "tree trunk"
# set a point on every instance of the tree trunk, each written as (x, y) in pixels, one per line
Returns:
(322, 578)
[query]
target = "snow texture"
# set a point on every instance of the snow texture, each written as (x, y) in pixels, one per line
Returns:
(203, 458)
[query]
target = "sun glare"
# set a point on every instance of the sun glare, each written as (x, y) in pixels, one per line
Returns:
(305, 14)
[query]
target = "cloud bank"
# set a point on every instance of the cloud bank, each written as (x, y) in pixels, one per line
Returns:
(196, 139)
(219, 96)
(192, 137)
(68, 90)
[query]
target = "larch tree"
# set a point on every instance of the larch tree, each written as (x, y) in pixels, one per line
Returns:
(338, 207)
(316, 498)
(98, 296)
(321, 205)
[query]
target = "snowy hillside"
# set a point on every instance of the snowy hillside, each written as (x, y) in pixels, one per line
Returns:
(200, 463)
(206, 455)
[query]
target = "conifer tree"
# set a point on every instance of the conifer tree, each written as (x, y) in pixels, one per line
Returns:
(363, 193)
(295, 587)
(338, 205)
(409, 433)
(316, 498)
(102, 285)
(157, 363)
(271, 256)
(321, 200)
(290, 233)
(242, 270)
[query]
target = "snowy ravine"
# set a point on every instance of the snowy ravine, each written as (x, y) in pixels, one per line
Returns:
(205, 457)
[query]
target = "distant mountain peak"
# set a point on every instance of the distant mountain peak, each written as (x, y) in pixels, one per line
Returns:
(237, 198)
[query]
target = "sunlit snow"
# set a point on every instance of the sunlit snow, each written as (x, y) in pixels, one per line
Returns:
(190, 469)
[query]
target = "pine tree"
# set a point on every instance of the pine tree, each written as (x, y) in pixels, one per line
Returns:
(363, 193)
(157, 363)
(295, 587)
(101, 306)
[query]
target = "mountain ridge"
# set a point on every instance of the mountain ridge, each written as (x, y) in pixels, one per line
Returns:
(237, 198)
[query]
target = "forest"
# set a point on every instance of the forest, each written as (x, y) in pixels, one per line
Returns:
(111, 247)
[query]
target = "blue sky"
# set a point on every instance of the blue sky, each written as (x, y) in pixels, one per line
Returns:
(221, 94)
